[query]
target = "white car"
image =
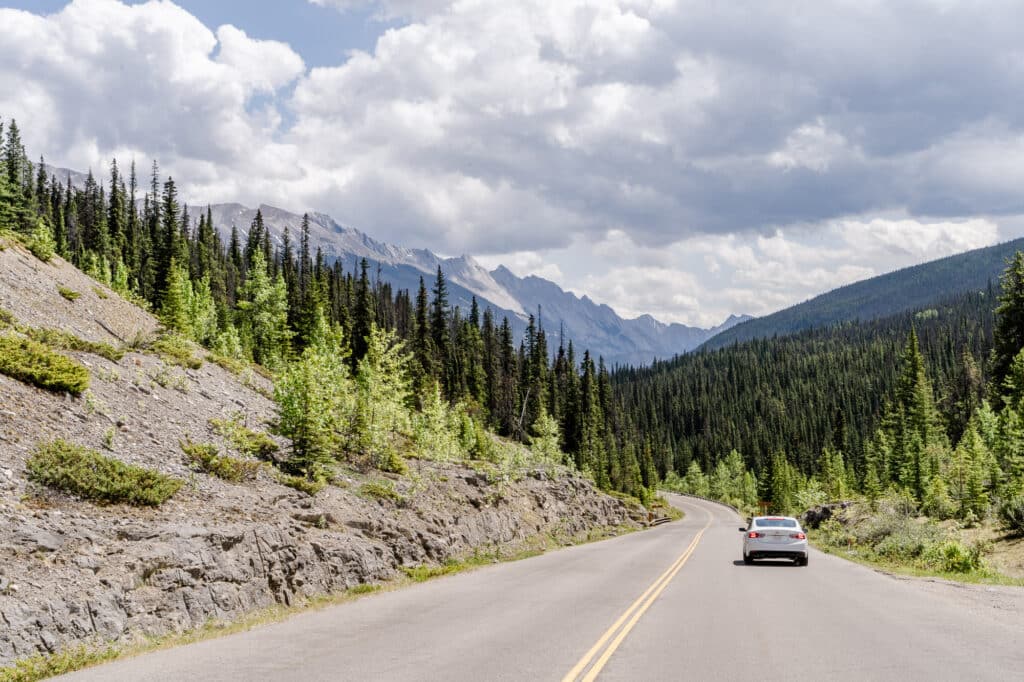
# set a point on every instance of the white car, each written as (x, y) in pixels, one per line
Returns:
(774, 537)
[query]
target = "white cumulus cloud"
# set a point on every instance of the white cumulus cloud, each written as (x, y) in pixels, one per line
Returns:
(687, 159)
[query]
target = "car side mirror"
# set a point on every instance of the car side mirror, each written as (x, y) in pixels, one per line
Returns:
(743, 530)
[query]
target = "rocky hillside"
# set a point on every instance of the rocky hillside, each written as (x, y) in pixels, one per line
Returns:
(73, 571)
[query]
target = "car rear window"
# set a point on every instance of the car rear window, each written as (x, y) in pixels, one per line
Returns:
(775, 523)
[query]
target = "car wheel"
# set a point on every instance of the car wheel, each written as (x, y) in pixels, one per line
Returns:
(748, 560)
(802, 562)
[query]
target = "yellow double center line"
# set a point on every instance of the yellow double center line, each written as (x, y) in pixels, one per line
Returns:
(630, 618)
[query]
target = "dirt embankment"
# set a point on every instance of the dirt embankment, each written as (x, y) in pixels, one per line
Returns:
(71, 571)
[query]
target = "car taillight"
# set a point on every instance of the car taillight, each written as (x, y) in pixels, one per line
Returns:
(753, 534)
(798, 536)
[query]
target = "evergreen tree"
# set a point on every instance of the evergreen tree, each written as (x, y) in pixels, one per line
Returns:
(265, 314)
(166, 238)
(1008, 335)
(439, 328)
(364, 317)
(17, 169)
(423, 340)
(314, 397)
(177, 300)
(784, 482)
(545, 439)
(695, 482)
(383, 396)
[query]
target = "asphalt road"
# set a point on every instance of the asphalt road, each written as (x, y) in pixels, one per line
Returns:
(671, 603)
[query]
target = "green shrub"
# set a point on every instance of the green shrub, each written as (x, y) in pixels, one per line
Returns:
(902, 544)
(36, 364)
(301, 483)
(893, 538)
(41, 242)
(165, 378)
(69, 294)
(232, 365)
(88, 474)
(953, 557)
(245, 440)
(381, 490)
(6, 319)
(1011, 513)
(833, 533)
(177, 350)
(108, 438)
(67, 341)
(101, 293)
(206, 457)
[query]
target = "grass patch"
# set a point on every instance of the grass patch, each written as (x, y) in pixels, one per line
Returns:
(43, 666)
(206, 457)
(95, 477)
(419, 574)
(56, 338)
(69, 294)
(232, 365)
(364, 588)
(177, 350)
(983, 576)
(6, 319)
(165, 378)
(101, 293)
(424, 572)
(36, 364)
(301, 483)
(890, 537)
(247, 441)
(382, 490)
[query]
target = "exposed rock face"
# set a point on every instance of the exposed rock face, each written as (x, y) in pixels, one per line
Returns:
(71, 571)
(84, 574)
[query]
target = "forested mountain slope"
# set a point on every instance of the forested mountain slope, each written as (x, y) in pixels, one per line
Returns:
(913, 288)
(801, 393)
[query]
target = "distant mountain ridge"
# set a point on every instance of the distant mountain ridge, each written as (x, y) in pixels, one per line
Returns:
(593, 326)
(912, 288)
(589, 325)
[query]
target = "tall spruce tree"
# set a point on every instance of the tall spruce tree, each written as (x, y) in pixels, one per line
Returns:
(1008, 335)
(364, 317)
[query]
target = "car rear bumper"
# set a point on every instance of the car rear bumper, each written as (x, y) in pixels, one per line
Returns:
(777, 554)
(760, 549)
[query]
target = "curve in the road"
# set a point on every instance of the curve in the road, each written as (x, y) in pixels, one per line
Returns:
(706, 617)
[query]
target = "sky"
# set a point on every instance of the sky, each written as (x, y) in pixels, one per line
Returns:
(683, 158)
